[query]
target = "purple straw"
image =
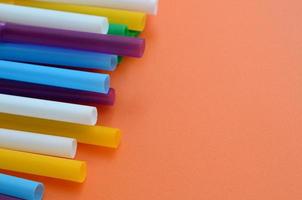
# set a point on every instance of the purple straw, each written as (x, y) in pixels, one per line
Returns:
(56, 93)
(4, 197)
(111, 44)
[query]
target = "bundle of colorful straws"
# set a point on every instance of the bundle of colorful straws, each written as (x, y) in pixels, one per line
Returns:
(51, 52)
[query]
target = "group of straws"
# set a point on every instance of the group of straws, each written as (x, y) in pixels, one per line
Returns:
(50, 86)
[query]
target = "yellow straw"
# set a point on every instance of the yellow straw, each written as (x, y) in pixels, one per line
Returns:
(60, 168)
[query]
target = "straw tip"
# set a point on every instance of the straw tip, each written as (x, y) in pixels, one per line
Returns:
(106, 83)
(104, 26)
(154, 3)
(39, 192)
(113, 63)
(83, 173)
(112, 96)
(94, 116)
(142, 47)
(117, 138)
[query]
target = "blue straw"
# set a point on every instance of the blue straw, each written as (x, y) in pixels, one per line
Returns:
(57, 56)
(21, 188)
(66, 78)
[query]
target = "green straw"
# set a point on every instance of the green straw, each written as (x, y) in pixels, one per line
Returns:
(122, 30)
(118, 29)
(133, 33)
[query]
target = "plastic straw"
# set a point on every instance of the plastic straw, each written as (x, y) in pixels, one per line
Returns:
(93, 135)
(118, 29)
(4, 197)
(21, 188)
(148, 6)
(53, 19)
(38, 143)
(111, 44)
(133, 33)
(134, 20)
(57, 56)
(122, 30)
(45, 109)
(60, 168)
(66, 78)
(56, 93)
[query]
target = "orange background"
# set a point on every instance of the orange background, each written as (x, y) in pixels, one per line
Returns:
(212, 112)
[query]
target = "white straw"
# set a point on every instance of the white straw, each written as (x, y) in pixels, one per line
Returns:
(45, 109)
(38, 143)
(53, 19)
(147, 6)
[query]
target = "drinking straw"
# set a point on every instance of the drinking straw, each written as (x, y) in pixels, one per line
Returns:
(133, 33)
(54, 167)
(46, 109)
(53, 19)
(56, 93)
(21, 188)
(66, 78)
(118, 29)
(134, 20)
(122, 30)
(38, 143)
(4, 197)
(111, 44)
(148, 6)
(93, 135)
(57, 56)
